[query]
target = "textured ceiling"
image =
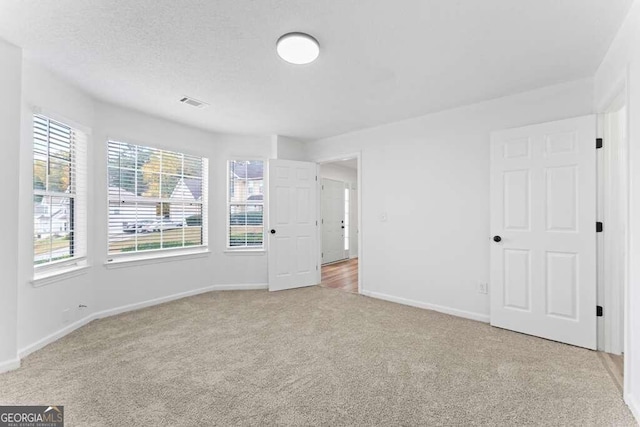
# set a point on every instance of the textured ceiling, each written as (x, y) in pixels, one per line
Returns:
(380, 60)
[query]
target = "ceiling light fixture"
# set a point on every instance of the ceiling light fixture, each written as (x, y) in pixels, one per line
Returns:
(298, 48)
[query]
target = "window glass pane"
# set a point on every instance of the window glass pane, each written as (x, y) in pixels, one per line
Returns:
(171, 163)
(122, 182)
(164, 210)
(245, 225)
(150, 185)
(192, 166)
(59, 175)
(53, 233)
(39, 172)
(346, 219)
(168, 185)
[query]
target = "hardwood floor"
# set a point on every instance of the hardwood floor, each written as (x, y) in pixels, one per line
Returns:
(615, 366)
(341, 275)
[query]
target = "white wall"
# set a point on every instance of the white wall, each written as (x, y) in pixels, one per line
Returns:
(103, 289)
(116, 287)
(430, 177)
(10, 83)
(288, 148)
(622, 65)
(40, 309)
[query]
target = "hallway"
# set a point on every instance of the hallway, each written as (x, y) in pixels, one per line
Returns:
(341, 275)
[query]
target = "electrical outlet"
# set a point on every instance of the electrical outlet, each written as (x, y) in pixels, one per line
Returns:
(483, 288)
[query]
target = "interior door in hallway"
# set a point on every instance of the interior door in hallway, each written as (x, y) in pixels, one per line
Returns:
(333, 226)
(543, 225)
(292, 224)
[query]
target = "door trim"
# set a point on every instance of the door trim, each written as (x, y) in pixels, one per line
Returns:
(610, 289)
(319, 161)
(620, 93)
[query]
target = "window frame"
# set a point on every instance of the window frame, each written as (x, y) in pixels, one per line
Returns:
(160, 254)
(47, 272)
(257, 248)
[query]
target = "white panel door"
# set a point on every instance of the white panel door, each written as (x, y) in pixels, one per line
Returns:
(332, 201)
(292, 224)
(543, 225)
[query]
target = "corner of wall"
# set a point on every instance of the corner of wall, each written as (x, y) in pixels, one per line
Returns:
(634, 406)
(10, 113)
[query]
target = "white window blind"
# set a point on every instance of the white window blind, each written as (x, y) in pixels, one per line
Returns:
(245, 204)
(59, 192)
(157, 199)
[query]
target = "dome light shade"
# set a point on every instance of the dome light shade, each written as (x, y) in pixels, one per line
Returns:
(298, 48)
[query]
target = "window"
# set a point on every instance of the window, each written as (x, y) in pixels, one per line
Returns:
(346, 217)
(59, 191)
(157, 199)
(245, 204)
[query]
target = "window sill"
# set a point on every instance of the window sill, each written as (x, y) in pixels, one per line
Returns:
(58, 274)
(143, 259)
(243, 251)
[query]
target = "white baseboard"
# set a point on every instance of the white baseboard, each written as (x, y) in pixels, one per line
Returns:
(244, 287)
(9, 365)
(634, 406)
(25, 351)
(439, 308)
(156, 301)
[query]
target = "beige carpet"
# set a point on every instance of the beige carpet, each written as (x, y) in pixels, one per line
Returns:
(312, 356)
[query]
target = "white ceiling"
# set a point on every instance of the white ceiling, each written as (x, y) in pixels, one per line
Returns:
(380, 60)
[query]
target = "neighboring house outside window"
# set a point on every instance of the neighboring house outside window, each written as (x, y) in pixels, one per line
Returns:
(157, 199)
(59, 192)
(245, 204)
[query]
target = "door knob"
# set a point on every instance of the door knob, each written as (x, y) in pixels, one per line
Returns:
(342, 226)
(497, 238)
(273, 231)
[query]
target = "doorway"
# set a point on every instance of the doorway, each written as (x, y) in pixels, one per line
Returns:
(540, 279)
(543, 223)
(339, 224)
(613, 243)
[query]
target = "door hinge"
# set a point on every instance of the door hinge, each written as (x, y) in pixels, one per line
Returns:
(316, 223)
(322, 254)
(599, 227)
(316, 267)
(599, 311)
(598, 143)
(316, 177)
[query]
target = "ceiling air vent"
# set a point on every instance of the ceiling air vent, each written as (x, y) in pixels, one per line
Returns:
(193, 102)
